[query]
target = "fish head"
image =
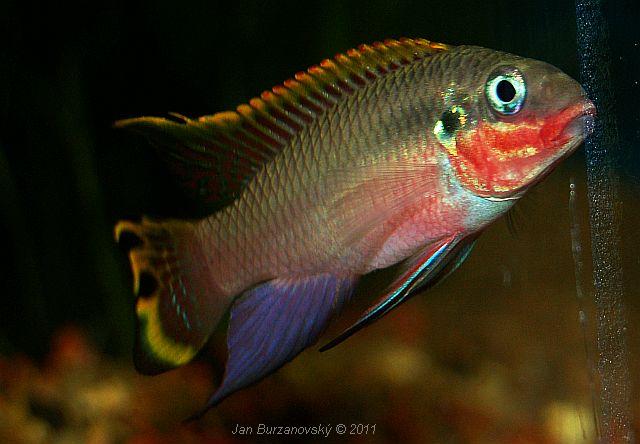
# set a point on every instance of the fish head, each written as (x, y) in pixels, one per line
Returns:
(507, 121)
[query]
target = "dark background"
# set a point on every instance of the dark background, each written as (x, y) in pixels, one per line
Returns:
(67, 73)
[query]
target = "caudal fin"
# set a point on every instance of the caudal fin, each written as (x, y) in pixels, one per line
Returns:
(178, 303)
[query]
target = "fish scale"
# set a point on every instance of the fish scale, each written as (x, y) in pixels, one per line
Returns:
(393, 154)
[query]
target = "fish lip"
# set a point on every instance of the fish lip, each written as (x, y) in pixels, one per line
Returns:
(580, 124)
(580, 121)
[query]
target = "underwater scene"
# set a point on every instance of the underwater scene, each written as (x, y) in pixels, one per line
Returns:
(428, 234)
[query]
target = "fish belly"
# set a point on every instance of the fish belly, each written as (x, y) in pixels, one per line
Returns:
(417, 228)
(452, 211)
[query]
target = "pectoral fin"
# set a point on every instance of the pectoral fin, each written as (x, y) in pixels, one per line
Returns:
(427, 267)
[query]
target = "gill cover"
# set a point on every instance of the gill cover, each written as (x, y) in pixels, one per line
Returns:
(506, 124)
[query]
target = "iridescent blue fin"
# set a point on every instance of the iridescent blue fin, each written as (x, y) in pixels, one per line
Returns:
(275, 321)
(427, 267)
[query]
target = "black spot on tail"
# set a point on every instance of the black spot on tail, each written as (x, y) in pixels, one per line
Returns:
(148, 285)
(129, 240)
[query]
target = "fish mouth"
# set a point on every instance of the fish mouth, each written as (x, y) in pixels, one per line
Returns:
(580, 123)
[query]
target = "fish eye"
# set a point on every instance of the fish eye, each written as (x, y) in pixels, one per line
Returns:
(506, 90)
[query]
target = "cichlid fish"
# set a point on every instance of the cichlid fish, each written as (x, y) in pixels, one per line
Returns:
(400, 152)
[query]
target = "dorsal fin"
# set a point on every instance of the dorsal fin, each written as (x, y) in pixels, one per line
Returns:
(215, 156)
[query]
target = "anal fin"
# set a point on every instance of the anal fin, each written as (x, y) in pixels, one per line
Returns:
(274, 322)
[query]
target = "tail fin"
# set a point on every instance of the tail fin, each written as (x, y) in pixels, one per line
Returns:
(178, 303)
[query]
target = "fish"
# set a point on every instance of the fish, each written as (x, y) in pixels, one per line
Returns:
(394, 154)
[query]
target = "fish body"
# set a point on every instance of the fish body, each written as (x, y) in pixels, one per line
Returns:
(306, 230)
(397, 153)
(375, 133)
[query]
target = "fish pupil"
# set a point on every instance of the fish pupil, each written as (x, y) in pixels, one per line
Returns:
(505, 91)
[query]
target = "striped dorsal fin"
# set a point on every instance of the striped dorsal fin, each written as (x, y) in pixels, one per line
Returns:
(215, 156)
